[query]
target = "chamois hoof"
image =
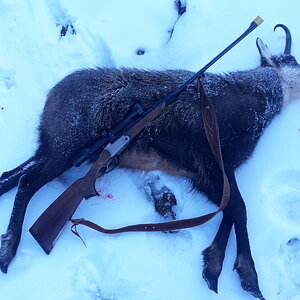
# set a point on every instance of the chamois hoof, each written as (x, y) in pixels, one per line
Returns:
(211, 280)
(3, 267)
(7, 251)
(245, 268)
(213, 259)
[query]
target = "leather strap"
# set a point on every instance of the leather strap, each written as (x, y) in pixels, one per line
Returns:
(213, 137)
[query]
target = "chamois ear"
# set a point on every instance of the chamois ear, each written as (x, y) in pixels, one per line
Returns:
(265, 54)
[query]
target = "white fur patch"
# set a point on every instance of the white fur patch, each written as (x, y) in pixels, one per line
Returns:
(290, 84)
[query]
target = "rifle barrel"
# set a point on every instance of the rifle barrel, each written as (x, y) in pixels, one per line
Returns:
(256, 22)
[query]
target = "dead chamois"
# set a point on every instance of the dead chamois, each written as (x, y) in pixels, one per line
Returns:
(85, 102)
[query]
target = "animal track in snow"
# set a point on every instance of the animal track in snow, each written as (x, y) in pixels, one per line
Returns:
(86, 278)
(66, 26)
(283, 195)
(63, 19)
(7, 80)
(290, 253)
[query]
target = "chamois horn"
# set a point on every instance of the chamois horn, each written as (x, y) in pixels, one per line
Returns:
(288, 39)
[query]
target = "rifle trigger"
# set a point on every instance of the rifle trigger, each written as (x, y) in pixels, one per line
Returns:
(111, 165)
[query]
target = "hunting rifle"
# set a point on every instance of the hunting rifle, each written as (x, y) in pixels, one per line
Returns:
(50, 224)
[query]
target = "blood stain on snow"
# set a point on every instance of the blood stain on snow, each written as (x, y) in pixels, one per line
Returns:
(104, 195)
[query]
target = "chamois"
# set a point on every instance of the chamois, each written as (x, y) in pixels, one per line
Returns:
(87, 101)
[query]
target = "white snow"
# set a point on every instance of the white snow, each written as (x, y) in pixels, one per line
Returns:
(145, 266)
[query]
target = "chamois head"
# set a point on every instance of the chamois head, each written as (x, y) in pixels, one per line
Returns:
(277, 61)
(285, 64)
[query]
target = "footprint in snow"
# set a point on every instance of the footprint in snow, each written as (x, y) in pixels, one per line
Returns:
(7, 80)
(290, 253)
(283, 195)
(63, 20)
(66, 26)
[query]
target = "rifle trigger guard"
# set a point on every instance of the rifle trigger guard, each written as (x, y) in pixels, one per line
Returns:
(111, 165)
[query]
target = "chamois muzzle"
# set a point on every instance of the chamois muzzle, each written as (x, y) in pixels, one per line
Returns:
(288, 39)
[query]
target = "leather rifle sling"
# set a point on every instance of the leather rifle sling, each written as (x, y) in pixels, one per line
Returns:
(213, 137)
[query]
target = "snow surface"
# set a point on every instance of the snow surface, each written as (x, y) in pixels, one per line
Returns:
(148, 266)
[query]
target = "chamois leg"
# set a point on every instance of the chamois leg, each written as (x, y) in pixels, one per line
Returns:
(234, 214)
(214, 255)
(9, 180)
(244, 263)
(29, 184)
